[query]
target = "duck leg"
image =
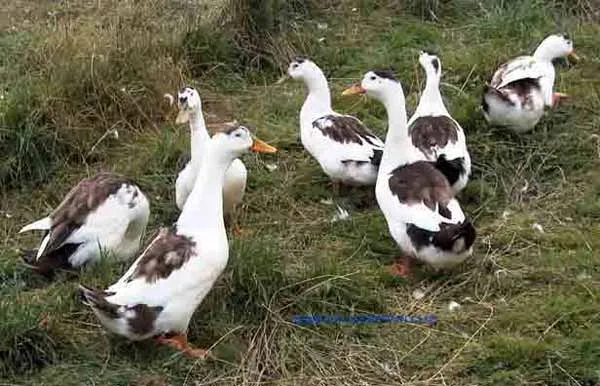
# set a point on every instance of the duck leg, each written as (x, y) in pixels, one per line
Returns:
(180, 343)
(557, 97)
(240, 232)
(232, 223)
(401, 267)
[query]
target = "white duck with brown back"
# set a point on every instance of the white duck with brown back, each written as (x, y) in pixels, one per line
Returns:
(158, 294)
(103, 215)
(522, 88)
(348, 152)
(418, 203)
(438, 135)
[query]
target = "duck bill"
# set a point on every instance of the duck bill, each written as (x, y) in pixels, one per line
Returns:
(259, 146)
(182, 117)
(355, 89)
(573, 56)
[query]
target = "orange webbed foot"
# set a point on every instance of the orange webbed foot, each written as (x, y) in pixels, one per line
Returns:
(557, 97)
(180, 343)
(401, 267)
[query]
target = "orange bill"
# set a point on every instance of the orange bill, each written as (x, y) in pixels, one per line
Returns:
(354, 90)
(574, 56)
(259, 146)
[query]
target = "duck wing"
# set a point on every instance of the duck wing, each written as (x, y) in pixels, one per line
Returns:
(517, 69)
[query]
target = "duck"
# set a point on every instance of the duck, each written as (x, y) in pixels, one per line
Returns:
(103, 215)
(158, 294)
(416, 199)
(433, 130)
(522, 88)
(347, 151)
(234, 187)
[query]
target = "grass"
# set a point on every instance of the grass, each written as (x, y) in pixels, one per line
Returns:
(529, 299)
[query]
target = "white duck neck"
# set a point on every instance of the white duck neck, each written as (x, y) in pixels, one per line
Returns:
(544, 52)
(397, 143)
(431, 101)
(198, 134)
(203, 210)
(318, 100)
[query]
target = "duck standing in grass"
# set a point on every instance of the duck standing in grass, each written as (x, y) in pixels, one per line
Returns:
(521, 88)
(102, 215)
(159, 293)
(418, 203)
(433, 131)
(348, 152)
(234, 186)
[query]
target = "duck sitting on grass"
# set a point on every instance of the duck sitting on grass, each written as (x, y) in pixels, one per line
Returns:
(103, 215)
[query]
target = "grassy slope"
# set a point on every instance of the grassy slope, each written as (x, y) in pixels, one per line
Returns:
(529, 299)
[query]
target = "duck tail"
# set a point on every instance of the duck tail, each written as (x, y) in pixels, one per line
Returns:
(456, 238)
(97, 300)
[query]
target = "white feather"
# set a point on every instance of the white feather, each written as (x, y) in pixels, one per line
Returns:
(42, 225)
(517, 69)
(233, 188)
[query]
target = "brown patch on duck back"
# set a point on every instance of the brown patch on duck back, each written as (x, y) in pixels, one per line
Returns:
(345, 129)
(421, 182)
(430, 131)
(522, 89)
(82, 200)
(166, 253)
(144, 318)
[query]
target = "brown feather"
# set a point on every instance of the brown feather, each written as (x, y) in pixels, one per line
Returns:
(83, 199)
(421, 182)
(432, 131)
(167, 253)
(345, 129)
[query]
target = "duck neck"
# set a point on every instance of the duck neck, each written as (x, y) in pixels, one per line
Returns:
(199, 135)
(318, 101)
(431, 99)
(203, 210)
(396, 140)
(544, 52)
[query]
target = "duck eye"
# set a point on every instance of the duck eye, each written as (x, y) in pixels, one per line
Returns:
(295, 65)
(373, 77)
(238, 135)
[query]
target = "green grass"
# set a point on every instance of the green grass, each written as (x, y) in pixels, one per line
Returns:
(529, 299)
